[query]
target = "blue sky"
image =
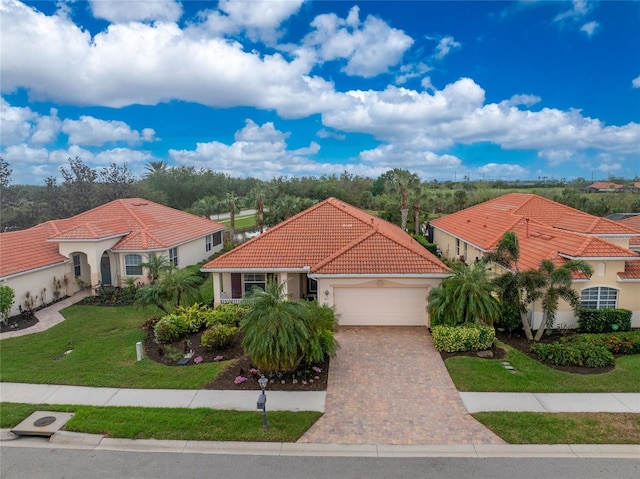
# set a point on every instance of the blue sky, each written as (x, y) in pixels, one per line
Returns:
(264, 88)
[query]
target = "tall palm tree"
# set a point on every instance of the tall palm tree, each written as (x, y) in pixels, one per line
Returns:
(466, 297)
(155, 166)
(275, 330)
(231, 199)
(557, 285)
(402, 181)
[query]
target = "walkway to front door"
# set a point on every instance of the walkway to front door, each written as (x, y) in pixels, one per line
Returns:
(388, 385)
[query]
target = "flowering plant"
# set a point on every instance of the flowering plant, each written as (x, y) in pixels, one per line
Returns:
(198, 359)
(317, 369)
(239, 379)
(218, 358)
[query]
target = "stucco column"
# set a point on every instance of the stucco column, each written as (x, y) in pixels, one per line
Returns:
(216, 288)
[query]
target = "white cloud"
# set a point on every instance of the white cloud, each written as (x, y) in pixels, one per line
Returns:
(501, 170)
(16, 123)
(46, 128)
(370, 48)
(324, 133)
(635, 83)
(445, 46)
(589, 28)
(261, 20)
(136, 10)
(94, 132)
(579, 9)
(526, 100)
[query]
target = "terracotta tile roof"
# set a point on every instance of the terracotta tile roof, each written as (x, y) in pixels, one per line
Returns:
(143, 225)
(545, 229)
(605, 185)
(634, 223)
(631, 271)
(333, 237)
(17, 253)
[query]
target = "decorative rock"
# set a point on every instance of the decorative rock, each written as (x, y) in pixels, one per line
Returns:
(485, 354)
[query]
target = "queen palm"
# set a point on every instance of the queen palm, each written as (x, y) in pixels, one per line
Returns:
(464, 298)
(557, 285)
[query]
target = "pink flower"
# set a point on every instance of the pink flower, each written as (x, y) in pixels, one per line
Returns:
(198, 360)
(218, 358)
(317, 369)
(239, 379)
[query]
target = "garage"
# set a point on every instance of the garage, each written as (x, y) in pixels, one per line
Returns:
(381, 306)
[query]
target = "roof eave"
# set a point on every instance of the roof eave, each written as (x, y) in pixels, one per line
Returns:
(256, 270)
(378, 275)
(33, 270)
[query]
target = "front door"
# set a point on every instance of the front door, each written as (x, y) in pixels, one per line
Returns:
(236, 285)
(105, 269)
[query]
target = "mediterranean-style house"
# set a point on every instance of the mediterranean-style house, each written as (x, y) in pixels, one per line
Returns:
(549, 230)
(105, 245)
(369, 270)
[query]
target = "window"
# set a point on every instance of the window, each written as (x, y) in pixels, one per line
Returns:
(173, 256)
(599, 297)
(217, 238)
(77, 270)
(208, 240)
(254, 280)
(457, 247)
(132, 264)
(312, 286)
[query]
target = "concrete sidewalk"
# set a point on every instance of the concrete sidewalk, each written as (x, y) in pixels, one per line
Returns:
(178, 398)
(552, 402)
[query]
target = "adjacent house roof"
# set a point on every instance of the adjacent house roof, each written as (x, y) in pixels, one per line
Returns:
(545, 230)
(334, 238)
(140, 224)
(605, 185)
(634, 223)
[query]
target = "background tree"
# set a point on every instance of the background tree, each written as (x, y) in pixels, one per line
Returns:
(7, 296)
(402, 181)
(115, 182)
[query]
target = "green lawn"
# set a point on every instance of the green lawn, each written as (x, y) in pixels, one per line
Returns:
(476, 374)
(200, 424)
(103, 342)
(241, 222)
(563, 428)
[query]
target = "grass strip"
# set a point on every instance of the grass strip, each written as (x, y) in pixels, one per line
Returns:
(102, 345)
(201, 424)
(484, 375)
(563, 428)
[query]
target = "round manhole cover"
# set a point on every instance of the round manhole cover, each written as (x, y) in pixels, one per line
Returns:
(44, 421)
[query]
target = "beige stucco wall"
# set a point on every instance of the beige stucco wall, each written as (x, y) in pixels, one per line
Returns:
(34, 283)
(326, 285)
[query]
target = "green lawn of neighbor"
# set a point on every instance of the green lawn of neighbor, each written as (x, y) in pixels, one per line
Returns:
(102, 341)
(476, 374)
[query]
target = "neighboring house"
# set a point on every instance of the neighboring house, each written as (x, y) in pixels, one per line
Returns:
(549, 230)
(105, 245)
(369, 270)
(634, 223)
(604, 186)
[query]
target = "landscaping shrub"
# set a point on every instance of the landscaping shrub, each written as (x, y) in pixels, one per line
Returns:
(451, 339)
(602, 320)
(193, 317)
(509, 317)
(616, 343)
(433, 248)
(169, 329)
(227, 313)
(579, 354)
(218, 336)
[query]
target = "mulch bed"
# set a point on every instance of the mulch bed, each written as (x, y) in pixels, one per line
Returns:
(16, 323)
(521, 343)
(308, 379)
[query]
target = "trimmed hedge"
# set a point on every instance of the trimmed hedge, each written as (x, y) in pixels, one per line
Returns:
(602, 320)
(169, 329)
(227, 313)
(617, 343)
(451, 339)
(433, 248)
(579, 354)
(218, 336)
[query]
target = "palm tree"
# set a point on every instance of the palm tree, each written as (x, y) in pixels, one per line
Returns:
(231, 199)
(275, 331)
(155, 166)
(557, 285)
(517, 289)
(402, 181)
(180, 285)
(156, 265)
(205, 207)
(466, 297)
(152, 295)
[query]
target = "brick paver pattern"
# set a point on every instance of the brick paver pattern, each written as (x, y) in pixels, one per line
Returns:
(388, 385)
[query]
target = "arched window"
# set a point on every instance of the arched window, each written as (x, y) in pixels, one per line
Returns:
(599, 297)
(132, 264)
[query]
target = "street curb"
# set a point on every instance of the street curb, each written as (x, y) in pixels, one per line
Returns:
(97, 442)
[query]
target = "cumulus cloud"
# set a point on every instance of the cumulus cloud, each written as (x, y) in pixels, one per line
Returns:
(635, 83)
(258, 150)
(445, 46)
(261, 20)
(95, 132)
(369, 48)
(501, 170)
(136, 10)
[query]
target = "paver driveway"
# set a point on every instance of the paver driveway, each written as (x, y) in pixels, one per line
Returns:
(389, 386)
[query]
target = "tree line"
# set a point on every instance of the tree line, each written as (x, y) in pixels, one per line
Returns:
(397, 195)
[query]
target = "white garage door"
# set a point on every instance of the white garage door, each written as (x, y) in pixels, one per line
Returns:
(381, 306)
